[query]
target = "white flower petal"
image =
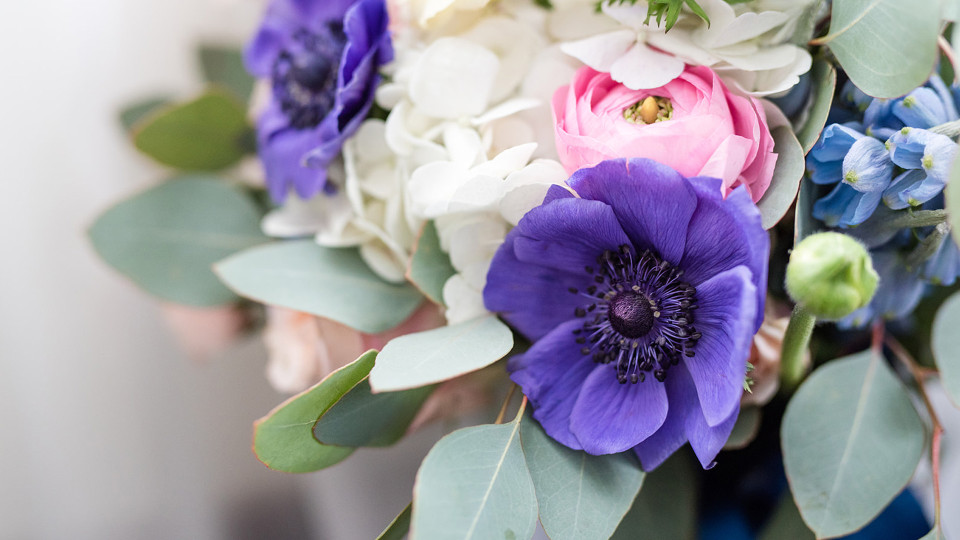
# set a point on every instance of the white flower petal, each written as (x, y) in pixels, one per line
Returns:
(463, 301)
(383, 262)
(454, 78)
(643, 67)
(602, 51)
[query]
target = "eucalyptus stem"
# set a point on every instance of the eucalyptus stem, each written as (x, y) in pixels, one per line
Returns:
(919, 374)
(506, 403)
(795, 342)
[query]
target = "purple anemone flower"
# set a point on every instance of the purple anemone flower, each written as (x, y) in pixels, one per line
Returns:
(322, 57)
(641, 295)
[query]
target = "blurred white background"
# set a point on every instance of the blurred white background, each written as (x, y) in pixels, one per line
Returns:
(108, 429)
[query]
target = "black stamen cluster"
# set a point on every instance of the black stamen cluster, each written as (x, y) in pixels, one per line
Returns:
(305, 75)
(639, 315)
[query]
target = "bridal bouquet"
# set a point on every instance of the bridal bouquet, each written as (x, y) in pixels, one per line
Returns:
(610, 228)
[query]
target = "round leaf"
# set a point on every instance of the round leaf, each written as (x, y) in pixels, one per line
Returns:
(283, 439)
(779, 197)
(666, 506)
(887, 47)
(328, 282)
(851, 440)
(474, 484)
(430, 267)
(167, 238)
(362, 418)
(822, 87)
(946, 346)
(951, 195)
(443, 353)
(580, 496)
(206, 134)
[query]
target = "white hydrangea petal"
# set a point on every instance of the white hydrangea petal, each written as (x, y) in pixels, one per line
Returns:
(520, 200)
(761, 59)
(464, 145)
(382, 261)
(745, 27)
(602, 51)
(476, 241)
(643, 67)
(680, 42)
(432, 185)
(454, 78)
(463, 301)
(578, 21)
(505, 109)
(514, 45)
(480, 193)
(508, 161)
(298, 217)
(475, 273)
(631, 16)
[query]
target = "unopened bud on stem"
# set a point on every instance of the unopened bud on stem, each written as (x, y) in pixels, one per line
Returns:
(831, 275)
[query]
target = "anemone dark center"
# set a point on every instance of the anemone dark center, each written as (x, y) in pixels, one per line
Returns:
(305, 74)
(638, 315)
(631, 314)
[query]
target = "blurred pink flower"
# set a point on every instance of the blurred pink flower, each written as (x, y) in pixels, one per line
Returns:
(693, 123)
(765, 354)
(204, 332)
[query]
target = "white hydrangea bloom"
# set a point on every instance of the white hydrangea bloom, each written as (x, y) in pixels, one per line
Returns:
(748, 44)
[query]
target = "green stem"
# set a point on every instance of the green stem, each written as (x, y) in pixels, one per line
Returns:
(795, 342)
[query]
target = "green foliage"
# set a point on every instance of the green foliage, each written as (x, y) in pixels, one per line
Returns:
(934, 534)
(430, 267)
(805, 224)
(779, 197)
(206, 134)
(666, 506)
(822, 86)
(361, 418)
(580, 496)
(223, 66)
(423, 358)
(132, 114)
(951, 195)
(946, 346)
(167, 238)
(397, 530)
(887, 47)
(331, 283)
(669, 9)
(786, 523)
(832, 431)
(745, 430)
(283, 439)
(474, 484)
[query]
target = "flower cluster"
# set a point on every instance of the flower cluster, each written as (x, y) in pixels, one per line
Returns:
(883, 158)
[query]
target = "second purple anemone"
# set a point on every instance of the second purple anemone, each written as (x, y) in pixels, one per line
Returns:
(641, 294)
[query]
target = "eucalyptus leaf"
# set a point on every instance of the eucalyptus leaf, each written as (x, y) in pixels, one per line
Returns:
(362, 418)
(951, 195)
(851, 440)
(887, 47)
(430, 267)
(398, 528)
(167, 238)
(283, 439)
(474, 484)
(223, 65)
(135, 112)
(443, 353)
(805, 224)
(328, 282)
(580, 496)
(779, 197)
(786, 523)
(934, 534)
(666, 507)
(745, 430)
(946, 346)
(206, 134)
(823, 86)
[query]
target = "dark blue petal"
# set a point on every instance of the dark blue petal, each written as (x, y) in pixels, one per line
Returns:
(834, 143)
(609, 417)
(551, 374)
(725, 318)
(642, 193)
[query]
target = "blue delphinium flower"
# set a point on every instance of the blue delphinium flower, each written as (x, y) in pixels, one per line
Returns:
(322, 57)
(926, 158)
(641, 295)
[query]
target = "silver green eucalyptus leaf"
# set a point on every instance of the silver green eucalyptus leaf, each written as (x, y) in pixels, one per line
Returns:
(851, 440)
(946, 346)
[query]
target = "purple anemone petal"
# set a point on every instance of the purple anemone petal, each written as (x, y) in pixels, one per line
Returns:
(724, 234)
(642, 192)
(725, 318)
(682, 397)
(551, 374)
(568, 235)
(511, 283)
(609, 417)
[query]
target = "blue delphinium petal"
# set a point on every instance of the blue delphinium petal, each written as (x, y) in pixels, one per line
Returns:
(922, 108)
(943, 267)
(834, 143)
(867, 167)
(643, 337)
(846, 207)
(893, 196)
(946, 97)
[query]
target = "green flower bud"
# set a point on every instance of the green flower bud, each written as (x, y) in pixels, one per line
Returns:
(831, 275)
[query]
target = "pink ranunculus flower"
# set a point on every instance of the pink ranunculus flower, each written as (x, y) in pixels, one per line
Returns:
(693, 124)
